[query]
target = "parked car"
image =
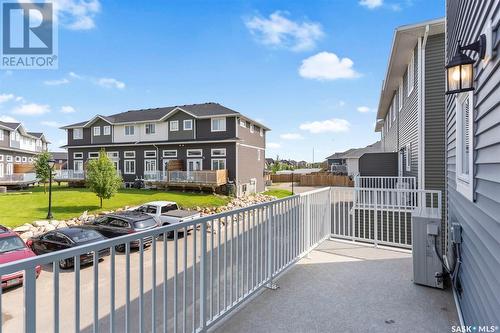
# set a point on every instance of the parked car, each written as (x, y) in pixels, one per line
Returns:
(123, 223)
(65, 238)
(166, 213)
(13, 248)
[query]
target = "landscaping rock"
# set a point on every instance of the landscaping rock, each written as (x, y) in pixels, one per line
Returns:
(23, 228)
(39, 224)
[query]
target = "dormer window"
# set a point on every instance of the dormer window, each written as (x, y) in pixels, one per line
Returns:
(174, 126)
(97, 131)
(150, 128)
(218, 124)
(188, 124)
(107, 130)
(77, 133)
(252, 128)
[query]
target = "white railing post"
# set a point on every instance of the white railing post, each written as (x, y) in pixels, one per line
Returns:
(203, 286)
(375, 219)
(308, 224)
(270, 248)
(30, 300)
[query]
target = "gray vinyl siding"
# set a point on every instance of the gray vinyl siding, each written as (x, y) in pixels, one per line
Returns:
(86, 140)
(101, 138)
(6, 139)
(249, 166)
(378, 165)
(204, 129)
(480, 269)
(181, 134)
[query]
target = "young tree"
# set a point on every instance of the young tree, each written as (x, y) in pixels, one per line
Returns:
(102, 178)
(42, 168)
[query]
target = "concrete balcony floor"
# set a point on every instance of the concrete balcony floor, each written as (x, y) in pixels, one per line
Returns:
(346, 287)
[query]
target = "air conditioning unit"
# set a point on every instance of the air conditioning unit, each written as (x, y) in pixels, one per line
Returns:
(426, 230)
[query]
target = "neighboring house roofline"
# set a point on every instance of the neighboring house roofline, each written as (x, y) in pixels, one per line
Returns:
(404, 41)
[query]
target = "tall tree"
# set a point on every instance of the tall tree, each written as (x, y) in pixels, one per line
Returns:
(42, 168)
(102, 178)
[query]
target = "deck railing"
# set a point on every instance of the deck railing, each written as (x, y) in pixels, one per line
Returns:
(69, 175)
(386, 182)
(198, 271)
(198, 177)
(18, 178)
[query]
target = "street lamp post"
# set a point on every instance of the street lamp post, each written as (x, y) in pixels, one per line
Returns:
(51, 164)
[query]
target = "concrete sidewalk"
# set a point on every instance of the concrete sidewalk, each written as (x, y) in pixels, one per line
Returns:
(344, 287)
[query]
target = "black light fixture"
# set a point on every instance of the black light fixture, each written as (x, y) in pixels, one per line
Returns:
(51, 164)
(460, 70)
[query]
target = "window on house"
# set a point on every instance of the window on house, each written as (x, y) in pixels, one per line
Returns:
(252, 128)
(194, 153)
(113, 154)
(411, 74)
(1, 158)
(258, 154)
(97, 131)
(243, 123)
(129, 130)
(400, 95)
(464, 142)
(188, 124)
(169, 153)
(408, 157)
(9, 158)
(18, 159)
(107, 130)
(149, 165)
(129, 154)
(219, 152)
(218, 124)
(394, 108)
(77, 156)
(78, 166)
(150, 153)
(150, 128)
(1, 170)
(218, 164)
(1, 135)
(25, 159)
(174, 125)
(77, 133)
(261, 132)
(129, 167)
(93, 155)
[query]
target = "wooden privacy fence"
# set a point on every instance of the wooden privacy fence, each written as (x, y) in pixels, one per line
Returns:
(314, 179)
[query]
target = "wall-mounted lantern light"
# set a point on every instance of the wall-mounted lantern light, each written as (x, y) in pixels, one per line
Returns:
(460, 73)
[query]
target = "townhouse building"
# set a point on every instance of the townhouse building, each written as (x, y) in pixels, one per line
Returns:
(199, 137)
(18, 146)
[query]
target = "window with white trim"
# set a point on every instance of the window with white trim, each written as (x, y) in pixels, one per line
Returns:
(187, 124)
(169, 153)
(218, 163)
(174, 126)
(93, 155)
(1, 135)
(97, 130)
(78, 166)
(218, 124)
(9, 158)
(218, 152)
(78, 156)
(394, 108)
(258, 154)
(150, 128)
(107, 130)
(261, 132)
(129, 154)
(411, 74)
(1, 169)
(194, 153)
(252, 128)
(408, 156)
(400, 95)
(129, 130)
(464, 142)
(150, 165)
(129, 167)
(243, 123)
(113, 154)
(25, 159)
(149, 153)
(1, 158)
(77, 133)
(18, 159)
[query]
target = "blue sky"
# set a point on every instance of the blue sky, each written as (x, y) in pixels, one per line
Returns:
(306, 69)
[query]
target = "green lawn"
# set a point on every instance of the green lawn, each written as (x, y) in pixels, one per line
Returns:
(67, 202)
(279, 193)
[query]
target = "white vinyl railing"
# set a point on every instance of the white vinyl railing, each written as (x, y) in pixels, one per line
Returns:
(69, 175)
(154, 175)
(386, 182)
(18, 178)
(203, 177)
(186, 282)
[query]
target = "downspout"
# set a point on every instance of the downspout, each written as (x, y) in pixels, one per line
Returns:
(157, 158)
(421, 109)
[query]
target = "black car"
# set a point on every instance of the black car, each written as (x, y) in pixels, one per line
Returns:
(123, 223)
(65, 238)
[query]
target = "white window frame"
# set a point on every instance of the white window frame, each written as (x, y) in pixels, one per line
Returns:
(223, 160)
(411, 74)
(258, 154)
(166, 151)
(78, 156)
(113, 154)
(172, 127)
(400, 95)
(214, 154)
(185, 127)
(17, 159)
(394, 109)
(107, 130)
(243, 123)
(223, 119)
(80, 133)
(408, 157)
(1, 158)
(129, 154)
(9, 158)
(198, 151)
(24, 159)
(96, 130)
(1, 170)
(93, 155)
(150, 161)
(464, 181)
(252, 128)
(128, 163)
(261, 131)
(75, 162)
(150, 151)
(152, 127)
(131, 130)
(1, 135)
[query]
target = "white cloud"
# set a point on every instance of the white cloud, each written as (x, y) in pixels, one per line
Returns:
(50, 123)
(327, 66)
(31, 109)
(6, 97)
(364, 109)
(74, 75)
(331, 125)
(67, 109)
(279, 31)
(371, 4)
(56, 82)
(273, 145)
(77, 14)
(8, 119)
(110, 83)
(291, 136)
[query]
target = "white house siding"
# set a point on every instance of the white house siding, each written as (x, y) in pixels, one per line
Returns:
(480, 218)
(140, 133)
